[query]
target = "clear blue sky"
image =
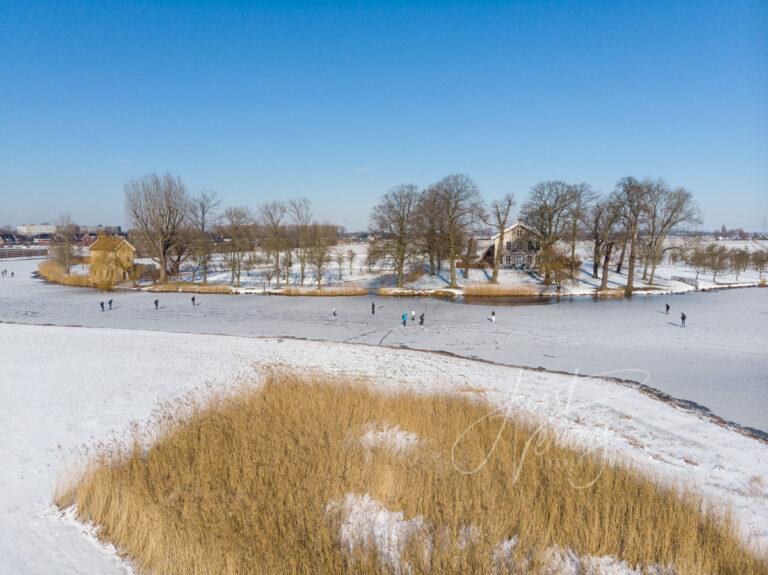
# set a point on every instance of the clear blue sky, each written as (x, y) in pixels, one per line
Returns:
(340, 102)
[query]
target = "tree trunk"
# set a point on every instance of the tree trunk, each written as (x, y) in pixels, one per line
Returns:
(631, 267)
(497, 251)
(621, 256)
(656, 260)
(606, 264)
(596, 260)
(452, 255)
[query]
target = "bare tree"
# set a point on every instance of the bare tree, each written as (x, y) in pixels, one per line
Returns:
(546, 212)
(322, 237)
(716, 258)
(300, 211)
(157, 207)
(394, 223)
(760, 261)
(351, 255)
(271, 218)
(582, 196)
(497, 216)
(461, 206)
(632, 196)
(431, 228)
(63, 243)
(338, 255)
(665, 211)
(202, 219)
(237, 229)
(739, 260)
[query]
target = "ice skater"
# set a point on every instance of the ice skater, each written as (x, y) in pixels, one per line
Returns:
(102, 305)
(109, 303)
(683, 317)
(193, 301)
(405, 318)
(334, 312)
(421, 319)
(373, 308)
(157, 304)
(493, 316)
(413, 316)
(667, 308)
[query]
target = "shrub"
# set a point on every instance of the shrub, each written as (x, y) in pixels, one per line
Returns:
(254, 482)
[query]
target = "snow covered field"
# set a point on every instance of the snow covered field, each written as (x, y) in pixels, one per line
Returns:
(719, 361)
(64, 386)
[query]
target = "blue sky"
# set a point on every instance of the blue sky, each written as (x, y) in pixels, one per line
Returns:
(341, 101)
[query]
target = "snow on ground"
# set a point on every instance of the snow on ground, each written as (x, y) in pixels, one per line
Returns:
(719, 360)
(65, 386)
(255, 280)
(368, 523)
(394, 439)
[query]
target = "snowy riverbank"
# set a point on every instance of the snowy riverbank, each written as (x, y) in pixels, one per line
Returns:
(63, 387)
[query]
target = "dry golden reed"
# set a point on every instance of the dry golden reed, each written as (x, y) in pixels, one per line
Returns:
(347, 290)
(55, 273)
(501, 290)
(190, 287)
(409, 292)
(242, 483)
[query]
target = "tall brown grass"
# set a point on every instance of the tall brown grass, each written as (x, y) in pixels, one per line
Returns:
(408, 292)
(242, 484)
(190, 287)
(326, 291)
(55, 273)
(501, 290)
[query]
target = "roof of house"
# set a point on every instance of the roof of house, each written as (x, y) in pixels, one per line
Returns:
(105, 243)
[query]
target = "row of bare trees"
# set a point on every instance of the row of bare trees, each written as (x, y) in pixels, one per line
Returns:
(173, 227)
(718, 258)
(442, 221)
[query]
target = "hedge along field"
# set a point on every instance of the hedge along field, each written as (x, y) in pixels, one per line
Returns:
(260, 480)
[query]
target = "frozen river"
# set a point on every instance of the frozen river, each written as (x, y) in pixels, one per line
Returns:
(720, 360)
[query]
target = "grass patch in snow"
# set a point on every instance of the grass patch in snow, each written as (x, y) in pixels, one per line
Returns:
(298, 474)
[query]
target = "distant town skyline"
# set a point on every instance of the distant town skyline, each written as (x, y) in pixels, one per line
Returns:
(340, 102)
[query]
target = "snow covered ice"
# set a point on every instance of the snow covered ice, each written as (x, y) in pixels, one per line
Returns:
(51, 404)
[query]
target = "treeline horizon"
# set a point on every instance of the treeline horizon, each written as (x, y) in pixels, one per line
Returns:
(414, 228)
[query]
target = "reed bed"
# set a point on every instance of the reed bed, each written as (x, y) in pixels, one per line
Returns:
(408, 292)
(502, 290)
(55, 273)
(348, 290)
(250, 482)
(190, 287)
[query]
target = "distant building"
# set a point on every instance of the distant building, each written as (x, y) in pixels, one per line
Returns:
(111, 259)
(100, 229)
(32, 230)
(520, 250)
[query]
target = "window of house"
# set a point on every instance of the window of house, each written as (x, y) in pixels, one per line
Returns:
(509, 246)
(519, 232)
(519, 260)
(507, 260)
